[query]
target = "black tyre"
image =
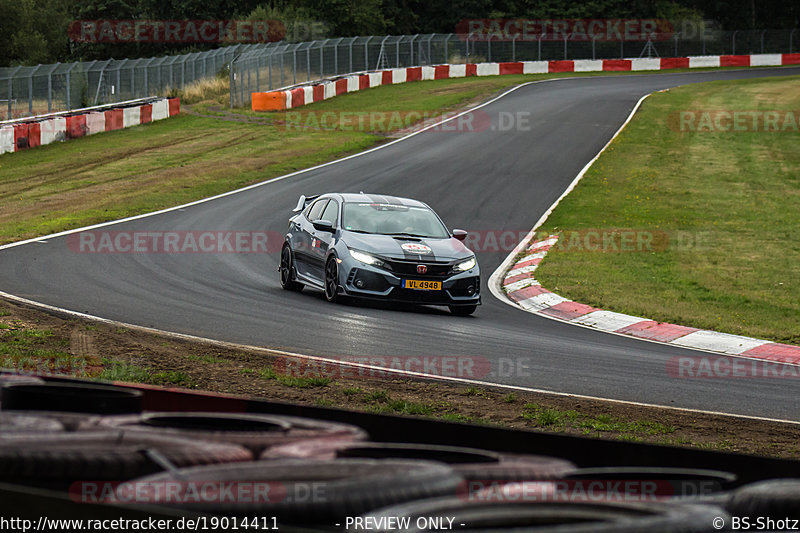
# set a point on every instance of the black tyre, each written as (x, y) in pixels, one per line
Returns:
(332, 280)
(69, 421)
(27, 423)
(315, 492)
(776, 498)
(665, 482)
(254, 431)
(463, 310)
(561, 517)
(56, 459)
(286, 270)
(74, 397)
(473, 464)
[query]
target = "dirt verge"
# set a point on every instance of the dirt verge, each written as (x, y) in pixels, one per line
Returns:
(31, 339)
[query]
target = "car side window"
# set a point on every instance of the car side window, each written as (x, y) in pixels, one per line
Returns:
(316, 209)
(331, 212)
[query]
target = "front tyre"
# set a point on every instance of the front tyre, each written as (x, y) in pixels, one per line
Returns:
(332, 280)
(463, 310)
(286, 271)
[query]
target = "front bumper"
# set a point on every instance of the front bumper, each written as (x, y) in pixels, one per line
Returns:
(365, 281)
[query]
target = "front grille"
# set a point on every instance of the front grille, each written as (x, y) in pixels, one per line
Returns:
(409, 268)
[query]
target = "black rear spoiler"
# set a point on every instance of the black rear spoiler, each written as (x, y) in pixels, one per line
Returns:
(304, 201)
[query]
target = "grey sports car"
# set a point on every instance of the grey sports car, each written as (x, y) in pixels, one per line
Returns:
(378, 247)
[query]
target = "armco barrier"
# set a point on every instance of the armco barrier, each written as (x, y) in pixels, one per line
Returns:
(292, 97)
(33, 131)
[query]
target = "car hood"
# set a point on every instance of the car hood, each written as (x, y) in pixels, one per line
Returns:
(420, 249)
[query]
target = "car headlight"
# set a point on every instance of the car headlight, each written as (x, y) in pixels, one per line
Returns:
(365, 258)
(465, 265)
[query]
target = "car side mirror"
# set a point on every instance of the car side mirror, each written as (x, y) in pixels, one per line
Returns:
(323, 225)
(459, 234)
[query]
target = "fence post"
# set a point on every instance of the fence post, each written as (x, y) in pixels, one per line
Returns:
(733, 42)
(350, 51)
(294, 65)
(676, 45)
(118, 85)
(411, 48)
(366, 54)
(594, 40)
(322, 59)
(10, 91)
(308, 62)
(50, 88)
(146, 77)
(397, 53)
(30, 89)
(791, 34)
(565, 45)
(69, 85)
(446, 42)
(540, 47)
(762, 40)
(232, 80)
(489, 48)
(514, 48)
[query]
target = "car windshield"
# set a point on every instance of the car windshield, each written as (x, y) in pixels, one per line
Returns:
(392, 219)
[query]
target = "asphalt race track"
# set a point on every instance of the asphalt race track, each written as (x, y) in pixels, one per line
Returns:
(479, 181)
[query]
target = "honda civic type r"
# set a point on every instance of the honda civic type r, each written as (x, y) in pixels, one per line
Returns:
(374, 246)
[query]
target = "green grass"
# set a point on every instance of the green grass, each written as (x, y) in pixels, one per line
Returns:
(124, 372)
(294, 381)
(600, 425)
(173, 377)
(27, 349)
(722, 207)
(206, 358)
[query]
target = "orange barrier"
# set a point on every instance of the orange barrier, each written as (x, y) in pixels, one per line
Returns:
(271, 101)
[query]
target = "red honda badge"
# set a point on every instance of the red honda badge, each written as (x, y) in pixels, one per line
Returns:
(421, 269)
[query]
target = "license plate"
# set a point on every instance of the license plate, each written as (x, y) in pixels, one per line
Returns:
(422, 284)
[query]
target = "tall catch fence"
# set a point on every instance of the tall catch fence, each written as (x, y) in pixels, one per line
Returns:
(27, 91)
(288, 64)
